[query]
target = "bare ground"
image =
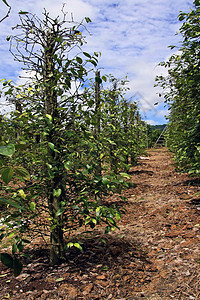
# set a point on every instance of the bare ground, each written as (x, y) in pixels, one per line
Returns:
(154, 255)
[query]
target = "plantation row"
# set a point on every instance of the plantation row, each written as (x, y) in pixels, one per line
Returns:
(68, 143)
(182, 94)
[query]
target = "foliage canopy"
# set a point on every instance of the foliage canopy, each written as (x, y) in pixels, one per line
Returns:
(68, 144)
(182, 93)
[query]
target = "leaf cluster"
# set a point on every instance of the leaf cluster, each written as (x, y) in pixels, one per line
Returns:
(182, 92)
(75, 139)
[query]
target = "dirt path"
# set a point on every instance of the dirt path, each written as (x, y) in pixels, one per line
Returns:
(155, 255)
(164, 218)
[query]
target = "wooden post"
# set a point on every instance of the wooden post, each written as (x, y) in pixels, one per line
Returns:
(97, 128)
(97, 102)
(57, 253)
(133, 109)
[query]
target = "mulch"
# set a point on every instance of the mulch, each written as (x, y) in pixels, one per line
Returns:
(154, 255)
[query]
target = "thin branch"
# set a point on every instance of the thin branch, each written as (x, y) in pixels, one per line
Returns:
(7, 15)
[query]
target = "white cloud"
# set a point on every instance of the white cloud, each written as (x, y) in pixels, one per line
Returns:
(132, 36)
(162, 112)
(78, 8)
(152, 122)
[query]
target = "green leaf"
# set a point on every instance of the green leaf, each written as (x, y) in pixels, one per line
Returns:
(60, 212)
(98, 80)
(22, 194)
(111, 142)
(60, 279)
(14, 204)
(98, 211)
(108, 229)
(70, 245)
(77, 245)
(182, 16)
(104, 78)
(51, 146)
(105, 180)
(49, 117)
(87, 54)
(32, 206)
(57, 193)
(56, 151)
(7, 296)
(6, 174)
(17, 266)
(92, 61)
(21, 146)
(79, 60)
(117, 216)
(23, 173)
(125, 175)
(23, 12)
(87, 221)
(94, 221)
(7, 260)
(14, 248)
(68, 165)
(88, 20)
(3, 275)
(171, 47)
(7, 150)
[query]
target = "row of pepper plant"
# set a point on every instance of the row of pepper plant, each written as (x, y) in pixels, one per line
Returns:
(67, 145)
(182, 94)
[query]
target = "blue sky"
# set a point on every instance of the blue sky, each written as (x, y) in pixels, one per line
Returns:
(132, 35)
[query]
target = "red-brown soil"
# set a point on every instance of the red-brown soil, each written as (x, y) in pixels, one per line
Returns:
(154, 255)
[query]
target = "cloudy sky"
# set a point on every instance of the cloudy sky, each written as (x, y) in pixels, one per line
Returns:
(132, 35)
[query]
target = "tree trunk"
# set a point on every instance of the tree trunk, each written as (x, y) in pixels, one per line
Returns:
(57, 253)
(50, 107)
(97, 130)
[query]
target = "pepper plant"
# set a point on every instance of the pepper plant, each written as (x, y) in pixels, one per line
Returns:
(73, 141)
(181, 92)
(52, 128)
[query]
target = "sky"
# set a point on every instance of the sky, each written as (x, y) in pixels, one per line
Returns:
(132, 35)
